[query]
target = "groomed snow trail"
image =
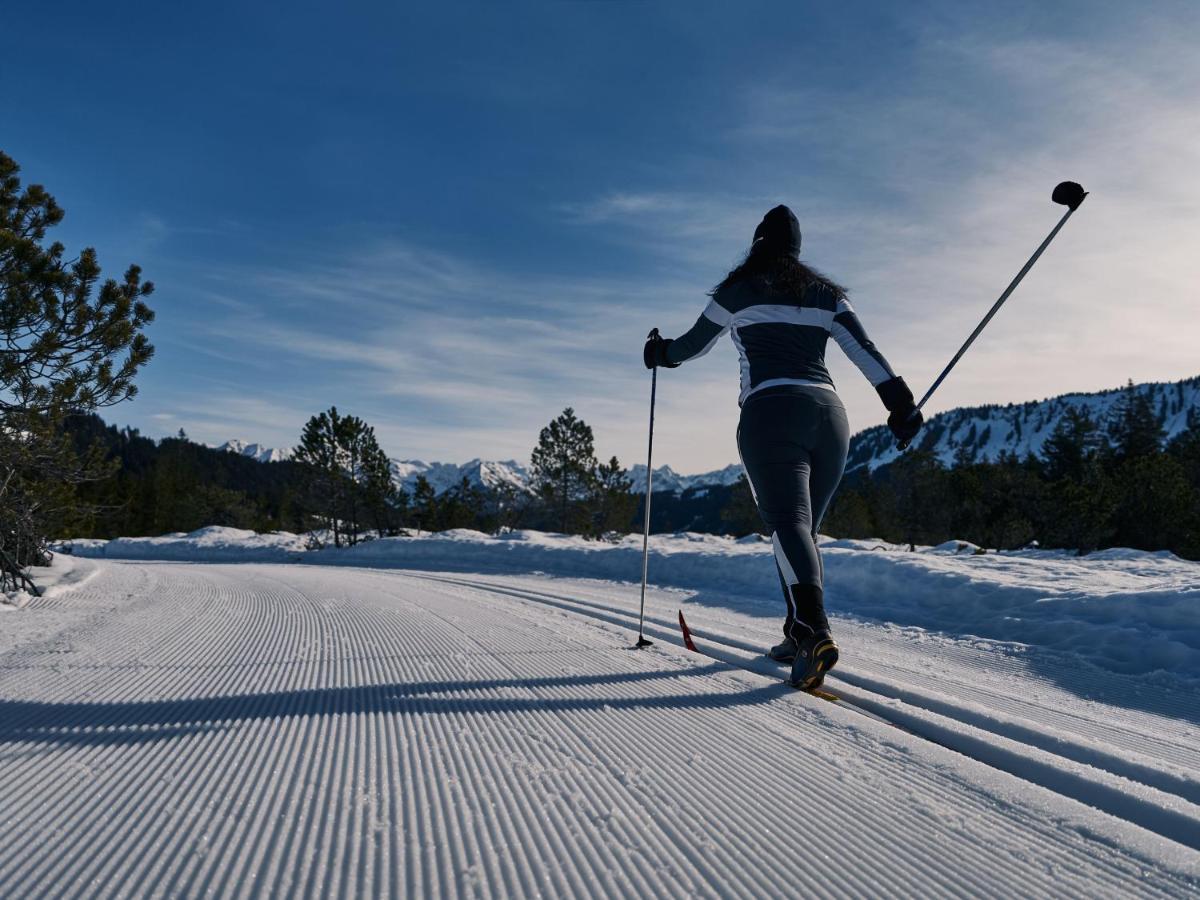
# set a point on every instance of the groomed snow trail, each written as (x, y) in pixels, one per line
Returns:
(274, 729)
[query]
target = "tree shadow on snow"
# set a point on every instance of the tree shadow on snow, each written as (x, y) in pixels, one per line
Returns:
(139, 721)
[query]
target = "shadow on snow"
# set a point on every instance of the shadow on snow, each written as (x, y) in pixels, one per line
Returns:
(147, 720)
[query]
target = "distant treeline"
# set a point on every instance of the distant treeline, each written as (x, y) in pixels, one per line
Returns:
(338, 485)
(1115, 483)
(1095, 485)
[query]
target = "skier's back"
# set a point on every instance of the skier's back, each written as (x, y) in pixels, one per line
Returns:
(793, 434)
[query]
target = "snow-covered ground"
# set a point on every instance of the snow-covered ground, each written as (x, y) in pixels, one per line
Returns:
(455, 716)
(1117, 610)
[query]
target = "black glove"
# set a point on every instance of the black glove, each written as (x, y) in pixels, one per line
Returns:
(905, 425)
(655, 351)
(905, 419)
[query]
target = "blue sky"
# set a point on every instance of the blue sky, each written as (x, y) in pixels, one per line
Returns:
(454, 220)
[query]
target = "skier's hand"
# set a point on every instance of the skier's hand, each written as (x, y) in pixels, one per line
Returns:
(905, 425)
(655, 351)
(905, 419)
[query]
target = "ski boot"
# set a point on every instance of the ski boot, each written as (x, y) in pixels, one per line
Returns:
(815, 655)
(816, 651)
(784, 652)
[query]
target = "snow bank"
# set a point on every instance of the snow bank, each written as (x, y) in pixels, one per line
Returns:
(63, 573)
(215, 543)
(1124, 610)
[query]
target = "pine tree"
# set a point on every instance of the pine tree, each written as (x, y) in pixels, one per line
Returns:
(349, 475)
(461, 506)
(505, 507)
(563, 465)
(1071, 446)
(319, 453)
(1185, 447)
(1133, 428)
(919, 508)
(385, 502)
(71, 344)
(424, 504)
(1155, 504)
(613, 506)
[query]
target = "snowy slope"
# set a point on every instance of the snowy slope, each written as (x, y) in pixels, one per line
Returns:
(256, 451)
(300, 730)
(980, 433)
(444, 476)
(667, 479)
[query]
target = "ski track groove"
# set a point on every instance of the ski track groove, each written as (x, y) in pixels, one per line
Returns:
(318, 770)
(899, 862)
(577, 876)
(664, 796)
(88, 805)
(1125, 738)
(980, 859)
(1066, 783)
(536, 748)
(1016, 727)
(557, 724)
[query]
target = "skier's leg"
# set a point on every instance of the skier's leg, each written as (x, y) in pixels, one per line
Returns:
(791, 543)
(827, 463)
(772, 438)
(757, 440)
(817, 652)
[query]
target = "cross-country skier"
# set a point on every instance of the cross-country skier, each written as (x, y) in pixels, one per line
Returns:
(793, 434)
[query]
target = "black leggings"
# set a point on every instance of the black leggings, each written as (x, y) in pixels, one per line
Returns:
(793, 441)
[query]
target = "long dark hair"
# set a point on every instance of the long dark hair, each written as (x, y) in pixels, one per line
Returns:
(776, 274)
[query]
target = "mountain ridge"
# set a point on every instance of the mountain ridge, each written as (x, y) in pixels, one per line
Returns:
(974, 434)
(963, 434)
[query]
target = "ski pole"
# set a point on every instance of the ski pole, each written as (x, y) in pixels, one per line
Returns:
(1066, 193)
(641, 641)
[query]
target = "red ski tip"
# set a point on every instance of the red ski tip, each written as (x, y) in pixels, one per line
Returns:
(687, 634)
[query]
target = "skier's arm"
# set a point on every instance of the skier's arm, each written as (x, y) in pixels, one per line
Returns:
(853, 340)
(905, 419)
(699, 339)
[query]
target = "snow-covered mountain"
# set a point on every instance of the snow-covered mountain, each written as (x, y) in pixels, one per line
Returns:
(976, 433)
(492, 473)
(667, 479)
(980, 433)
(256, 451)
(444, 476)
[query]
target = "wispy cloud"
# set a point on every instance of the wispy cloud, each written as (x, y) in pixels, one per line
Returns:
(924, 189)
(483, 351)
(926, 199)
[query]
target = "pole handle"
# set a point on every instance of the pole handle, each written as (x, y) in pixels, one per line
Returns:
(904, 445)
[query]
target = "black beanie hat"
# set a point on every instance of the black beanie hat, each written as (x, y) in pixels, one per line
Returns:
(778, 232)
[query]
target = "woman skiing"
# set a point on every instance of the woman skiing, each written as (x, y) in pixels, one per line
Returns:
(793, 434)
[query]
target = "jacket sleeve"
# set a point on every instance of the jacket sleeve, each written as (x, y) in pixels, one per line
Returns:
(699, 339)
(853, 340)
